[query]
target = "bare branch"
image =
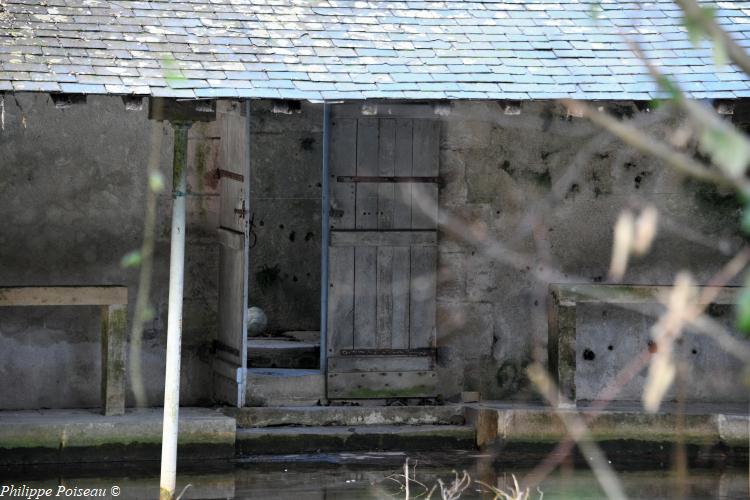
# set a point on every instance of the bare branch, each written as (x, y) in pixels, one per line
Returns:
(639, 140)
(579, 432)
(736, 53)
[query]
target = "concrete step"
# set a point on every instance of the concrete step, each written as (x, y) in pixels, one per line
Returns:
(289, 440)
(346, 415)
(284, 387)
(282, 352)
(505, 423)
(298, 335)
(65, 436)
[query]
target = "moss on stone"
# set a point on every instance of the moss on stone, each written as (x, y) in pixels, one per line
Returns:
(407, 392)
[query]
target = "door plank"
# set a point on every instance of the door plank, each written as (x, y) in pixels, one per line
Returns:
(390, 250)
(382, 384)
(403, 157)
(231, 295)
(340, 299)
(343, 162)
(365, 297)
(380, 238)
(400, 284)
(367, 164)
(384, 313)
(231, 342)
(422, 297)
(234, 160)
(380, 363)
(425, 163)
(386, 168)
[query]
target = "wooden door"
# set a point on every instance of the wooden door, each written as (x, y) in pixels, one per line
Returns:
(382, 255)
(230, 359)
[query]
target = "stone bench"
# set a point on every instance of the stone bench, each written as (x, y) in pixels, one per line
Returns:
(561, 319)
(114, 306)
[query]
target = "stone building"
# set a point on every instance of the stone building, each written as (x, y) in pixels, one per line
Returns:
(459, 189)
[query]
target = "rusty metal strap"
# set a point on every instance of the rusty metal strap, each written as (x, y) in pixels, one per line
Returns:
(426, 351)
(386, 179)
(220, 172)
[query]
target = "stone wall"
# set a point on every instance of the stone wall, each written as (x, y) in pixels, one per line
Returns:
(502, 175)
(72, 198)
(285, 197)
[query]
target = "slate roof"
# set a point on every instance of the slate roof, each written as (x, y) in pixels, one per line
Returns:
(356, 49)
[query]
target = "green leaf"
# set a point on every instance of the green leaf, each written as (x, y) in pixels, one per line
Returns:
(728, 149)
(595, 12)
(743, 312)
(156, 182)
(172, 72)
(148, 314)
(721, 58)
(131, 259)
(745, 223)
(695, 24)
(655, 104)
(670, 87)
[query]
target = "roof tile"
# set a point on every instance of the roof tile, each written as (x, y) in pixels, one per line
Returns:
(499, 49)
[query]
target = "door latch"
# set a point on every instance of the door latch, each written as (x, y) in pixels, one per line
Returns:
(242, 211)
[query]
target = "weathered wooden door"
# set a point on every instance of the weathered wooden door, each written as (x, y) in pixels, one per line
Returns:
(230, 359)
(382, 255)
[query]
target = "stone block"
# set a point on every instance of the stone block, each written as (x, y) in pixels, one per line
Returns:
(466, 327)
(459, 134)
(279, 387)
(451, 277)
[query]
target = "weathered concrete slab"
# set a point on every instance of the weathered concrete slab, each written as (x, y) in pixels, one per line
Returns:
(282, 387)
(504, 423)
(347, 415)
(56, 436)
(342, 438)
(280, 352)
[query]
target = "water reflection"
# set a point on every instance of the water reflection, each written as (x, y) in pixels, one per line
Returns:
(366, 476)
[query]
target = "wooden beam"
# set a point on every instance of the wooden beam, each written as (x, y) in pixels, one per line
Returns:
(173, 110)
(379, 363)
(114, 310)
(114, 336)
(425, 111)
(380, 384)
(63, 296)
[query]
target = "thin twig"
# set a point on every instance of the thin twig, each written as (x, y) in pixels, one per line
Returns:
(639, 140)
(579, 432)
(736, 53)
(146, 268)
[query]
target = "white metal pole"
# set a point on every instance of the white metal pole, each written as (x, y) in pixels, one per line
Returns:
(174, 318)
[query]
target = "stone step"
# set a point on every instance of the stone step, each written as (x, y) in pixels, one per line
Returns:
(284, 387)
(67, 436)
(299, 335)
(282, 352)
(346, 415)
(290, 440)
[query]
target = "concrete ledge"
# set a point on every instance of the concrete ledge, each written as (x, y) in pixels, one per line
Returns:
(346, 415)
(543, 425)
(734, 430)
(284, 440)
(57, 436)
(284, 387)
